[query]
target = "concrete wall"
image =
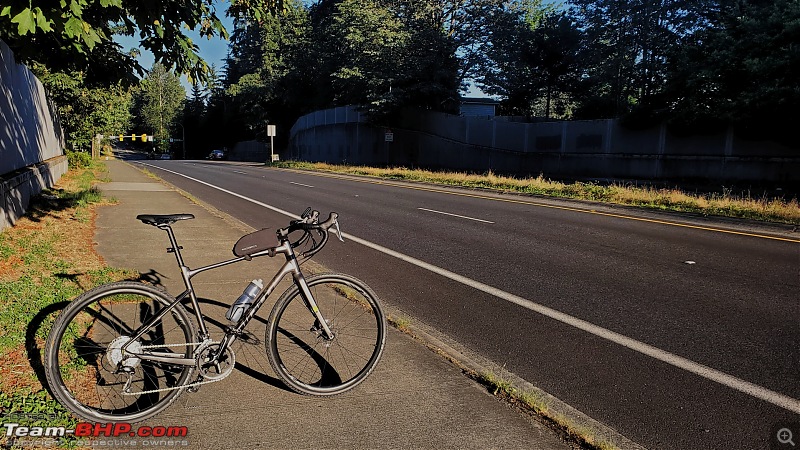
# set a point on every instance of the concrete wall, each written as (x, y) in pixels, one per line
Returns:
(584, 149)
(31, 140)
(16, 191)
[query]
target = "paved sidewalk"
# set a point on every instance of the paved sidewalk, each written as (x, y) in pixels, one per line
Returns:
(414, 399)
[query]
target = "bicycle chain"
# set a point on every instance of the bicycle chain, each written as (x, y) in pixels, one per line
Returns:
(196, 383)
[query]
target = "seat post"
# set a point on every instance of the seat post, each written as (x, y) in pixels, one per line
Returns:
(174, 243)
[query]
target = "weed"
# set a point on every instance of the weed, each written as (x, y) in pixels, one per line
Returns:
(401, 323)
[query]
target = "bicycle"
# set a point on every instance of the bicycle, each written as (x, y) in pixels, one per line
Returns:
(124, 351)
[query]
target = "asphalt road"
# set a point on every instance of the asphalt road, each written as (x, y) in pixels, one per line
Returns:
(678, 337)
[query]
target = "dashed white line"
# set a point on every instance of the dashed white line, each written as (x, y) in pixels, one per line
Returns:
(454, 215)
(751, 389)
(301, 184)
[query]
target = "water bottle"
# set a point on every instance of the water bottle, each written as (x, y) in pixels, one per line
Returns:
(243, 302)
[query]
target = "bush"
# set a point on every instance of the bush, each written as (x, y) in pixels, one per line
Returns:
(79, 160)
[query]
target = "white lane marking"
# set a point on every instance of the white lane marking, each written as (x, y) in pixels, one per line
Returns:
(454, 215)
(238, 171)
(301, 184)
(754, 390)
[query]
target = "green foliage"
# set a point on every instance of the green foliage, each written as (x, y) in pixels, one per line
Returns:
(533, 60)
(365, 46)
(78, 34)
(162, 97)
(85, 109)
(742, 69)
(25, 297)
(34, 409)
(628, 44)
(78, 160)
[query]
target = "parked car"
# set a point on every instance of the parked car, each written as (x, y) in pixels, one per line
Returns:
(166, 156)
(216, 154)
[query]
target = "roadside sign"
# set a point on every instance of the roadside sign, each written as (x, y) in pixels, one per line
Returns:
(389, 136)
(276, 157)
(271, 130)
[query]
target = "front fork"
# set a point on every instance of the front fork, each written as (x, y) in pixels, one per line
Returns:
(311, 304)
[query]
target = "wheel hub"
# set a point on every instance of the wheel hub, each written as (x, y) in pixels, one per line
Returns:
(116, 355)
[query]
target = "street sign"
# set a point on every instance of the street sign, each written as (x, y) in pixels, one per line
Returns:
(276, 157)
(271, 130)
(389, 136)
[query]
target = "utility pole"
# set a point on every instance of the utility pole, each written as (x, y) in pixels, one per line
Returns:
(183, 139)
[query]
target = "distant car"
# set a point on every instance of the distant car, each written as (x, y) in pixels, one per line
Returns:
(216, 154)
(165, 156)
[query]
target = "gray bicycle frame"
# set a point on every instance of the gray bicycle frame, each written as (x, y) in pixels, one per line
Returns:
(291, 266)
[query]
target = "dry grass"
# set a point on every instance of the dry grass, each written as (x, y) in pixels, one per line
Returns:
(726, 205)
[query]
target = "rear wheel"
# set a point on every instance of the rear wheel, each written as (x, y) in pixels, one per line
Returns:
(304, 358)
(89, 372)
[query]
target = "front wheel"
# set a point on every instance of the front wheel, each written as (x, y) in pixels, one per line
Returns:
(89, 362)
(304, 358)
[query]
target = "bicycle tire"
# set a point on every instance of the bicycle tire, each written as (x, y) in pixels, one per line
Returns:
(83, 352)
(308, 363)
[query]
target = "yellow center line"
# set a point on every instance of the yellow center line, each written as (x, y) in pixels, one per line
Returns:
(544, 205)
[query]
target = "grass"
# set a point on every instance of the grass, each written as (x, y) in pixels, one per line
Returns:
(535, 402)
(714, 204)
(401, 323)
(46, 259)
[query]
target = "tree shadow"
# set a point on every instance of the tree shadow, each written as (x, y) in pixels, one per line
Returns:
(51, 201)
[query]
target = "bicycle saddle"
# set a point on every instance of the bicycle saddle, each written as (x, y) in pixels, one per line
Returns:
(161, 219)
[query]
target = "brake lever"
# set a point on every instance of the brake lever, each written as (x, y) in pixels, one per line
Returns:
(338, 231)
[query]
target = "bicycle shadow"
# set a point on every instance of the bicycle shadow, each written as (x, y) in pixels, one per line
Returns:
(32, 350)
(248, 339)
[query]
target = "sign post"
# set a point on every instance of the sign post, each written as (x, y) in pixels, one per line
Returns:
(271, 133)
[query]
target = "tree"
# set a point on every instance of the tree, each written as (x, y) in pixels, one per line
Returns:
(84, 109)
(260, 93)
(629, 43)
(364, 47)
(742, 70)
(531, 59)
(163, 97)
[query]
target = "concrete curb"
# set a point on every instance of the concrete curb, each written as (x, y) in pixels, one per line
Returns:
(568, 419)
